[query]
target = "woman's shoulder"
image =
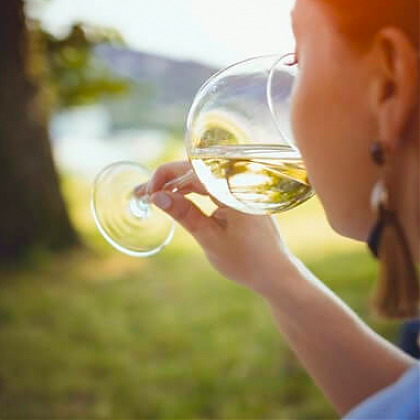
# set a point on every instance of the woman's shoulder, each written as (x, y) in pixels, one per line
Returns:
(399, 401)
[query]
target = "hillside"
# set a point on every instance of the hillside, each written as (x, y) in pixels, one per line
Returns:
(162, 92)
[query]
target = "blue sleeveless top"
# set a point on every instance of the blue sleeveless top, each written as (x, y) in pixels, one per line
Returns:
(400, 401)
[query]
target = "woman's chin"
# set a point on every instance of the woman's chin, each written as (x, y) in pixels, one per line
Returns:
(350, 227)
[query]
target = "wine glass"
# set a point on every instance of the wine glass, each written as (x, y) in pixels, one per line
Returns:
(239, 142)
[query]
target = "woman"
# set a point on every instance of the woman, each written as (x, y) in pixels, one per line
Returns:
(355, 117)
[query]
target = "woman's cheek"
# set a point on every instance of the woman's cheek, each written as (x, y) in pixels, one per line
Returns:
(308, 126)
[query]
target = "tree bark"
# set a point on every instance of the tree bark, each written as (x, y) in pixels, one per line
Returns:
(32, 210)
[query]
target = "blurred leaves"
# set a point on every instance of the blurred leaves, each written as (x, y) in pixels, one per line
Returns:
(70, 73)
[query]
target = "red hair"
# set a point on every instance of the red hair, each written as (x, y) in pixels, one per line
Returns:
(360, 20)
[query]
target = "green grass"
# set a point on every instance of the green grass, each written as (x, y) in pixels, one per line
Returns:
(101, 335)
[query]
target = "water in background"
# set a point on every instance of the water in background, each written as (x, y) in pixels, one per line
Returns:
(83, 143)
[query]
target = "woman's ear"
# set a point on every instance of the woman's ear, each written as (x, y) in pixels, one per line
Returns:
(396, 93)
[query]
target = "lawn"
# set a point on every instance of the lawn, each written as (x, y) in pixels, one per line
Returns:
(96, 334)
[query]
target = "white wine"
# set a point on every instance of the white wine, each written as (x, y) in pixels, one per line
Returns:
(253, 178)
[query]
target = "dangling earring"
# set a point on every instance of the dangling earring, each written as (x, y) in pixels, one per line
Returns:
(398, 291)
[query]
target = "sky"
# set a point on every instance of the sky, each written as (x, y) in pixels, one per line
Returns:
(217, 32)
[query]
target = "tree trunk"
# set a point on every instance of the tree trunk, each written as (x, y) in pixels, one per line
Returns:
(32, 210)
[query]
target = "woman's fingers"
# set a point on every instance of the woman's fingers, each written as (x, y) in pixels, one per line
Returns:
(169, 172)
(183, 210)
(166, 173)
(185, 213)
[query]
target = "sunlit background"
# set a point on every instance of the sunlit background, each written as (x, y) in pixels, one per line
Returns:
(165, 41)
(87, 332)
(217, 33)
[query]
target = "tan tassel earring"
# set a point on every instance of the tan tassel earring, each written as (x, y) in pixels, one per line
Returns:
(398, 291)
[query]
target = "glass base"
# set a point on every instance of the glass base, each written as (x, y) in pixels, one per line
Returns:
(132, 225)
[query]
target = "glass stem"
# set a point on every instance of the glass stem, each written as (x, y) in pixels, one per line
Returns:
(174, 185)
(180, 182)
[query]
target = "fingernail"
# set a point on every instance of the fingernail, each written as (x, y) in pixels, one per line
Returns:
(162, 200)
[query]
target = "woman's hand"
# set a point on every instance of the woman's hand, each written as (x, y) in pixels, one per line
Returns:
(244, 248)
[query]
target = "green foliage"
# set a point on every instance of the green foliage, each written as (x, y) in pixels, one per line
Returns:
(69, 72)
